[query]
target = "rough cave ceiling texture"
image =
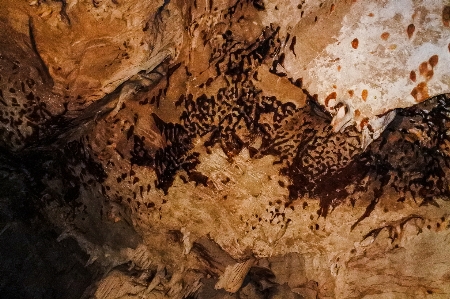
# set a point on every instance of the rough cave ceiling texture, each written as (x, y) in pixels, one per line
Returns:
(227, 149)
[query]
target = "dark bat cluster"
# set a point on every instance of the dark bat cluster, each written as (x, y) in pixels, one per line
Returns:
(409, 159)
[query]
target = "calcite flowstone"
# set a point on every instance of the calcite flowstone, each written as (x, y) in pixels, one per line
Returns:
(372, 56)
(237, 149)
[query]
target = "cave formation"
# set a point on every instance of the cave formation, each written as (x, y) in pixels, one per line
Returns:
(224, 149)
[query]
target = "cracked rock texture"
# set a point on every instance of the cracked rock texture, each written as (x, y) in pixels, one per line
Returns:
(224, 149)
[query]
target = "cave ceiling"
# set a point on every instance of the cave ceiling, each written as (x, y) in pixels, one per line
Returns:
(235, 149)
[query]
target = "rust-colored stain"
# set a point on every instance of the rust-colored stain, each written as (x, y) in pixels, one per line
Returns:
(412, 76)
(364, 94)
(423, 68)
(371, 14)
(364, 122)
(385, 35)
(334, 86)
(331, 96)
(410, 30)
(332, 7)
(357, 113)
(355, 43)
(446, 16)
(393, 47)
(420, 92)
(339, 68)
(351, 92)
(433, 60)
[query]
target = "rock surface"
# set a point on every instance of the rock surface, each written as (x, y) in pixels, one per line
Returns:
(229, 149)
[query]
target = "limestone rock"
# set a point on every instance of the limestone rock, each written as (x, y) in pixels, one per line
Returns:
(273, 149)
